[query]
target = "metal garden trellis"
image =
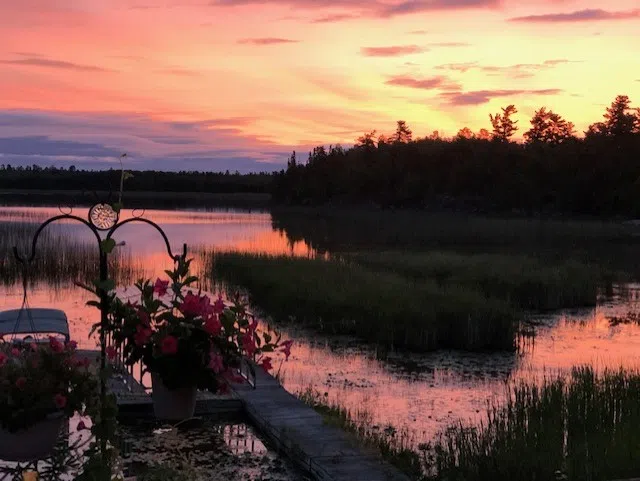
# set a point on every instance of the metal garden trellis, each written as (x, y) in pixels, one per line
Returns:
(103, 220)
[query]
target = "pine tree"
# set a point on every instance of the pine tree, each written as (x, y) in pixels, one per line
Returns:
(504, 127)
(549, 127)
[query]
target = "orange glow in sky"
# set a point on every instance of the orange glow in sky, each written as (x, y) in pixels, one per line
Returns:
(229, 84)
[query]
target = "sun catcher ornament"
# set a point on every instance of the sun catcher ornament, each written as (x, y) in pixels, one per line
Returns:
(103, 216)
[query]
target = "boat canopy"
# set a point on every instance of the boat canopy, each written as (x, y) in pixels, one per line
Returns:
(45, 321)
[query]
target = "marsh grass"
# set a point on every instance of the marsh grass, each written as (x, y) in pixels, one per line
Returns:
(380, 307)
(583, 426)
(523, 281)
(59, 259)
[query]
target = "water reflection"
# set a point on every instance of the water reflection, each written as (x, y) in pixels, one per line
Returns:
(419, 393)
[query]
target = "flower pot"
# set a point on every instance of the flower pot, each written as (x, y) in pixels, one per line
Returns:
(172, 405)
(35, 442)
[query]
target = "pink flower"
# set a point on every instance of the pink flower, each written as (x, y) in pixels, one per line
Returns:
(111, 353)
(160, 287)
(193, 305)
(81, 426)
(266, 364)
(56, 346)
(72, 345)
(21, 382)
(249, 343)
(15, 351)
(286, 349)
(60, 401)
(169, 345)
(218, 306)
(213, 326)
(3, 358)
(142, 335)
(216, 363)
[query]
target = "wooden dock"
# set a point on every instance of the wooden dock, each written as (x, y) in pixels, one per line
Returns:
(325, 452)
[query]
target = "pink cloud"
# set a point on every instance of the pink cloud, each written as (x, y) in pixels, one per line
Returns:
(338, 17)
(478, 97)
(587, 15)
(392, 51)
(50, 63)
(426, 84)
(267, 41)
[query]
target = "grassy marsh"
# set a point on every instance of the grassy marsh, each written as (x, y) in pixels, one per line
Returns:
(380, 307)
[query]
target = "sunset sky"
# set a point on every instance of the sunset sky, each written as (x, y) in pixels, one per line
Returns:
(238, 84)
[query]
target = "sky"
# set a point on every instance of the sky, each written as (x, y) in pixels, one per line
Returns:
(239, 84)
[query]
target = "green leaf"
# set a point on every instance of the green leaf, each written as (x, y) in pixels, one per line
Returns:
(127, 175)
(106, 286)
(107, 245)
(117, 207)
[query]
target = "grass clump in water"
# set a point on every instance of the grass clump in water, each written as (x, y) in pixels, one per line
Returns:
(381, 307)
(578, 427)
(525, 282)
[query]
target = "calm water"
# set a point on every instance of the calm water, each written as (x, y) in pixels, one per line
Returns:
(417, 393)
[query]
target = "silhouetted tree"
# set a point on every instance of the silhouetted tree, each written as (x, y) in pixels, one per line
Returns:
(618, 119)
(483, 134)
(549, 127)
(403, 133)
(465, 133)
(367, 139)
(435, 135)
(503, 125)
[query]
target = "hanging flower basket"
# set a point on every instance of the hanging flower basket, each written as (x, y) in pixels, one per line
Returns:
(41, 385)
(35, 442)
(185, 340)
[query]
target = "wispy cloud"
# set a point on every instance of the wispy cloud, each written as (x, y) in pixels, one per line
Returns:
(438, 82)
(50, 63)
(586, 15)
(418, 32)
(338, 17)
(478, 97)
(520, 70)
(391, 51)
(267, 41)
(448, 44)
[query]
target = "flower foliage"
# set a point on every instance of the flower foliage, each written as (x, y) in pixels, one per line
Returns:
(183, 336)
(38, 379)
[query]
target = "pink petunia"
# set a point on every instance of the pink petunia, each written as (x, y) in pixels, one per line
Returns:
(213, 326)
(286, 349)
(142, 335)
(111, 352)
(169, 345)
(21, 382)
(266, 364)
(249, 343)
(56, 346)
(216, 364)
(60, 400)
(160, 287)
(218, 306)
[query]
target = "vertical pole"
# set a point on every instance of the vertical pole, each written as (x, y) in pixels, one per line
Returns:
(104, 308)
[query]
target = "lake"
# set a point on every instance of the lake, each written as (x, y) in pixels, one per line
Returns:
(417, 394)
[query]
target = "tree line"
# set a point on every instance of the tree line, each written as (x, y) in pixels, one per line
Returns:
(35, 177)
(552, 170)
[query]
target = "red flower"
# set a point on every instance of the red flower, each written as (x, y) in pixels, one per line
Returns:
(216, 363)
(160, 287)
(218, 306)
(286, 349)
(212, 325)
(144, 317)
(56, 346)
(21, 382)
(169, 345)
(15, 351)
(72, 345)
(3, 358)
(193, 305)
(266, 364)
(111, 352)
(249, 343)
(142, 335)
(60, 401)
(81, 426)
